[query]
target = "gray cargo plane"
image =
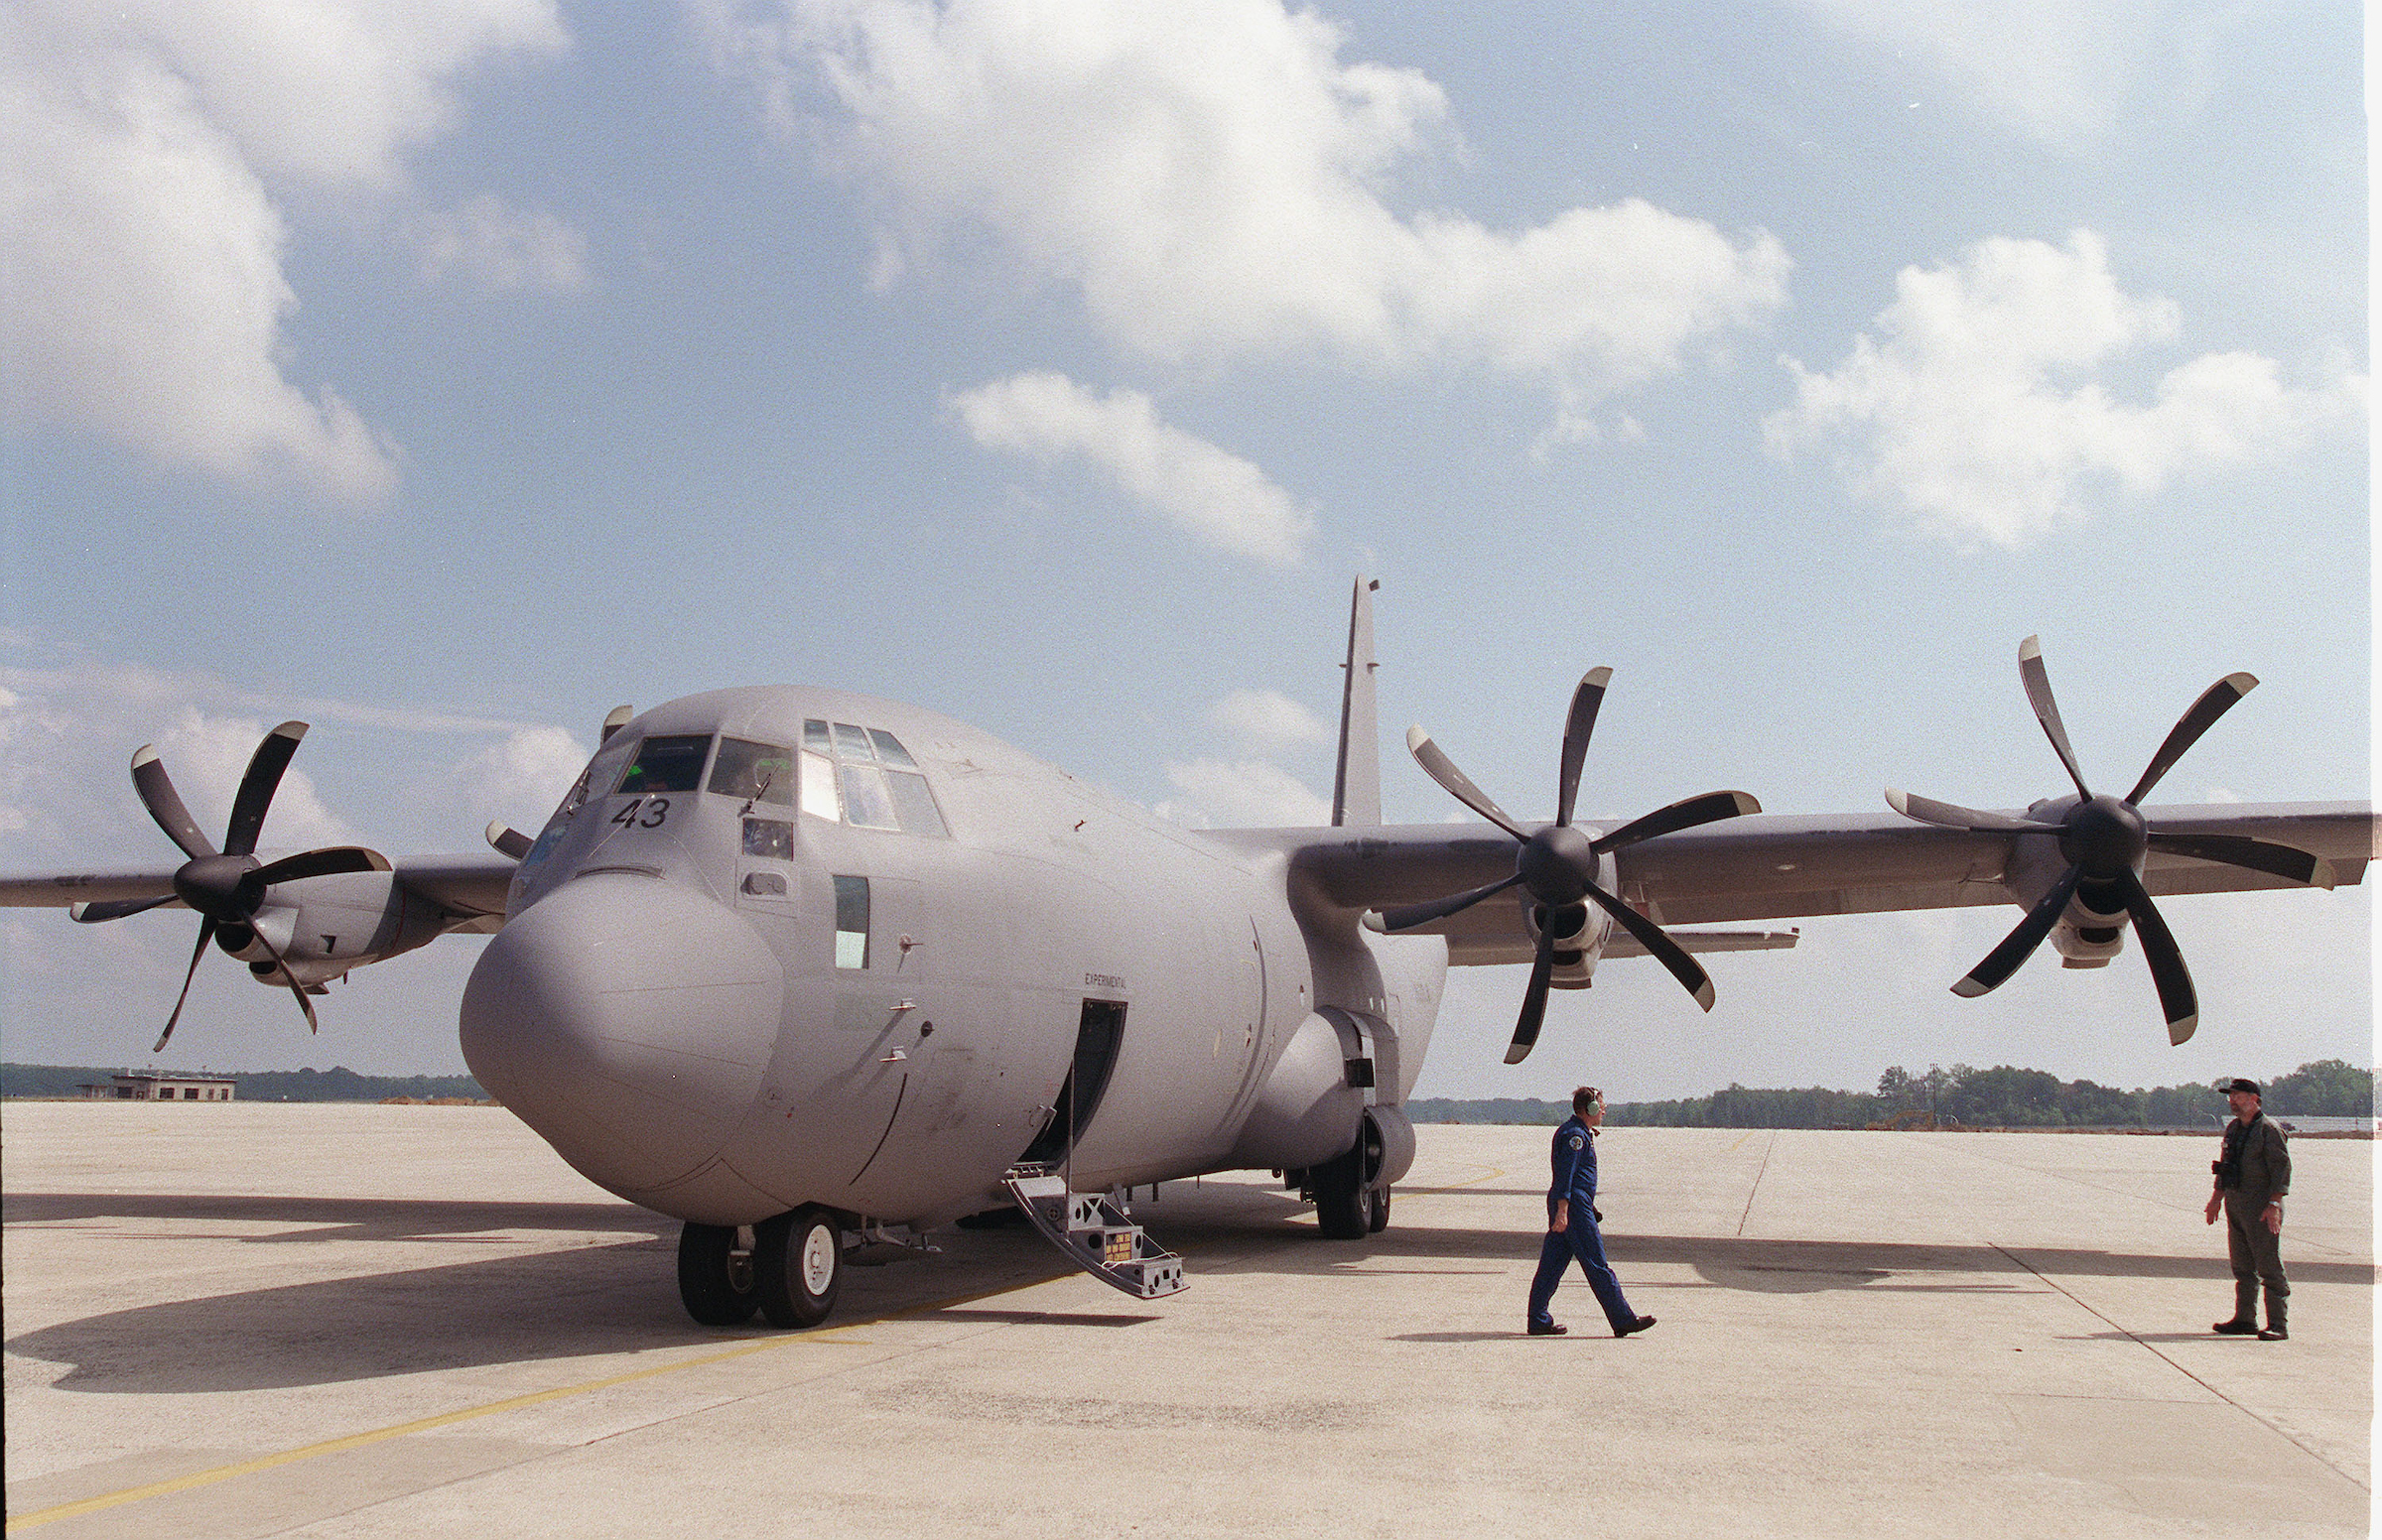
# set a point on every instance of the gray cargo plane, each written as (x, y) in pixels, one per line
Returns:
(816, 974)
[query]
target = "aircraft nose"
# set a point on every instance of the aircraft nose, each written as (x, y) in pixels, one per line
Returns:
(629, 1021)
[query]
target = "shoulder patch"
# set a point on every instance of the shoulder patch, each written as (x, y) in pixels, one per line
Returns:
(1577, 1140)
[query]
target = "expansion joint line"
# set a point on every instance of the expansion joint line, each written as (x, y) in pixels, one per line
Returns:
(2267, 1423)
(1759, 1172)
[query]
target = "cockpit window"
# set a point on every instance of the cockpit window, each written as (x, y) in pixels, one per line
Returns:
(667, 764)
(850, 772)
(757, 772)
(602, 771)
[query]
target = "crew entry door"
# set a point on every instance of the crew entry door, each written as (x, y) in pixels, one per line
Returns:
(1096, 1036)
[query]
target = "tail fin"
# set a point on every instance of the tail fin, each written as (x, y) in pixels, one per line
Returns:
(1357, 788)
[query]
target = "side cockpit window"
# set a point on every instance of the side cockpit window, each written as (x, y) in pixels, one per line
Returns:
(867, 778)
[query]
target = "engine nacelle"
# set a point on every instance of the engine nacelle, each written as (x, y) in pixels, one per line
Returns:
(2087, 938)
(2085, 935)
(1578, 944)
(323, 927)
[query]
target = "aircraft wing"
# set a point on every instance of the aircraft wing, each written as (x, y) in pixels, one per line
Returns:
(1768, 866)
(470, 886)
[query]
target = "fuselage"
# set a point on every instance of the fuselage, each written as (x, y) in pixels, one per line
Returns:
(787, 946)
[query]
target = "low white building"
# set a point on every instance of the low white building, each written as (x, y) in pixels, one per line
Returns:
(161, 1088)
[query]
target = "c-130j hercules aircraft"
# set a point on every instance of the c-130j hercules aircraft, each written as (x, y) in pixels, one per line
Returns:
(809, 970)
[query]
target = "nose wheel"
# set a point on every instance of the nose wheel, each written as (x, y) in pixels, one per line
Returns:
(716, 1275)
(797, 1265)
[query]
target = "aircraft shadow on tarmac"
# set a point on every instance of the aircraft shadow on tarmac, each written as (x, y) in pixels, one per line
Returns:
(615, 1291)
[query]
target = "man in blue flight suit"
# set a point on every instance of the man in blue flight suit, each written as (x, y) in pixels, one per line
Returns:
(1572, 1224)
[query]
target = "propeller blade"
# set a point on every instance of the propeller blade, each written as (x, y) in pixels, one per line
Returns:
(207, 933)
(1952, 816)
(2019, 943)
(1458, 785)
(2046, 709)
(113, 909)
(1689, 973)
(615, 719)
(1395, 920)
(1686, 814)
(257, 786)
(505, 839)
(2280, 860)
(1576, 728)
(328, 862)
(157, 794)
(1534, 1000)
(304, 1003)
(2215, 702)
(2177, 997)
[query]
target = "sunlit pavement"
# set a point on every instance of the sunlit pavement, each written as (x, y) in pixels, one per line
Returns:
(262, 1320)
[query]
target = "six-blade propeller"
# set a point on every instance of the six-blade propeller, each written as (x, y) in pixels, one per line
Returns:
(1558, 863)
(227, 887)
(2105, 839)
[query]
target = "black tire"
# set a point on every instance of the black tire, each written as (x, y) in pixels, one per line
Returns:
(1381, 1213)
(715, 1282)
(797, 1265)
(1344, 1204)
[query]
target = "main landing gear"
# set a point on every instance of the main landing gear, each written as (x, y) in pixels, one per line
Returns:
(787, 1268)
(1351, 1199)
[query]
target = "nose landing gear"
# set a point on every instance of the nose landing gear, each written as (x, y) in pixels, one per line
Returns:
(716, 1275)
(789, 1271)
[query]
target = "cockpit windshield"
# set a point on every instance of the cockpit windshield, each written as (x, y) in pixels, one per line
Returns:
(667, 764)
(757, 772)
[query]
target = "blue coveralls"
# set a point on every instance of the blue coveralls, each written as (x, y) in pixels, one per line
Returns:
(1575, 1183)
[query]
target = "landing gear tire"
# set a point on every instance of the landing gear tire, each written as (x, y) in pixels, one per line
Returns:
(797, 1265)
(1344, 1204)
(1381, 1213)
(715, 1276)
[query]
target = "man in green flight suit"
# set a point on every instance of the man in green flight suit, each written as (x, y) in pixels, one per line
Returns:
(2252, 1177)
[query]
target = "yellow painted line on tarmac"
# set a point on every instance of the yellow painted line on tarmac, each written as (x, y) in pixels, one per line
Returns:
(838, 1336)
(1741, 1138)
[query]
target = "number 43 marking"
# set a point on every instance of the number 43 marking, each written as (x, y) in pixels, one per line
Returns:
(644, 813)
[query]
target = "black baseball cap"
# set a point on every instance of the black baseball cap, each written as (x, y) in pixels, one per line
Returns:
(2238, 1084)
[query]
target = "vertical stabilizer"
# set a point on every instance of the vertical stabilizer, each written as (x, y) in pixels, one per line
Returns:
(1357, 788)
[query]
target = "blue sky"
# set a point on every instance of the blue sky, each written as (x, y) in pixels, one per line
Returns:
(447, 374)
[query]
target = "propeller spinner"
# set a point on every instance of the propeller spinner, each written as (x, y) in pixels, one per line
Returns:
(227, 887)
(1556, 864)
(2105, 840)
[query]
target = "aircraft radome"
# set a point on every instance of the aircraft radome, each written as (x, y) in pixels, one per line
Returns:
(809, 970)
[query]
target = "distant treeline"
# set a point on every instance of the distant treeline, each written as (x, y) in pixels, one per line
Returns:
(338, 1084)
(2000, 1098)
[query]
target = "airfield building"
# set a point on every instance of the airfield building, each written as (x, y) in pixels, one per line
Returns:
(159, 1087)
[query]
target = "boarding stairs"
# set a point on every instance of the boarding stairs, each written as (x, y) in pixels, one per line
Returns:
(1096, 1231)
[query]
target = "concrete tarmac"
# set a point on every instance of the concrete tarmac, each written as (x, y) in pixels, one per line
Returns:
(254, 1319)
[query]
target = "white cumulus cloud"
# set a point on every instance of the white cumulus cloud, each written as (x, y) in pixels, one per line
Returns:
(2056, 70)
(1242, 794)
(1976, 413)
(1267, 722)
(522, 777)
(501, 248)
(1216, 496)
(1214, 182)
(145, 153)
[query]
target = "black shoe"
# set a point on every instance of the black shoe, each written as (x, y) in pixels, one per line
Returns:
(1638, 1325)
(2234, 1328)
(1547, 1329)
(2274, 1334)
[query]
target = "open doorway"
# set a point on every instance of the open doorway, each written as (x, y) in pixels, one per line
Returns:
(1096, 1036)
